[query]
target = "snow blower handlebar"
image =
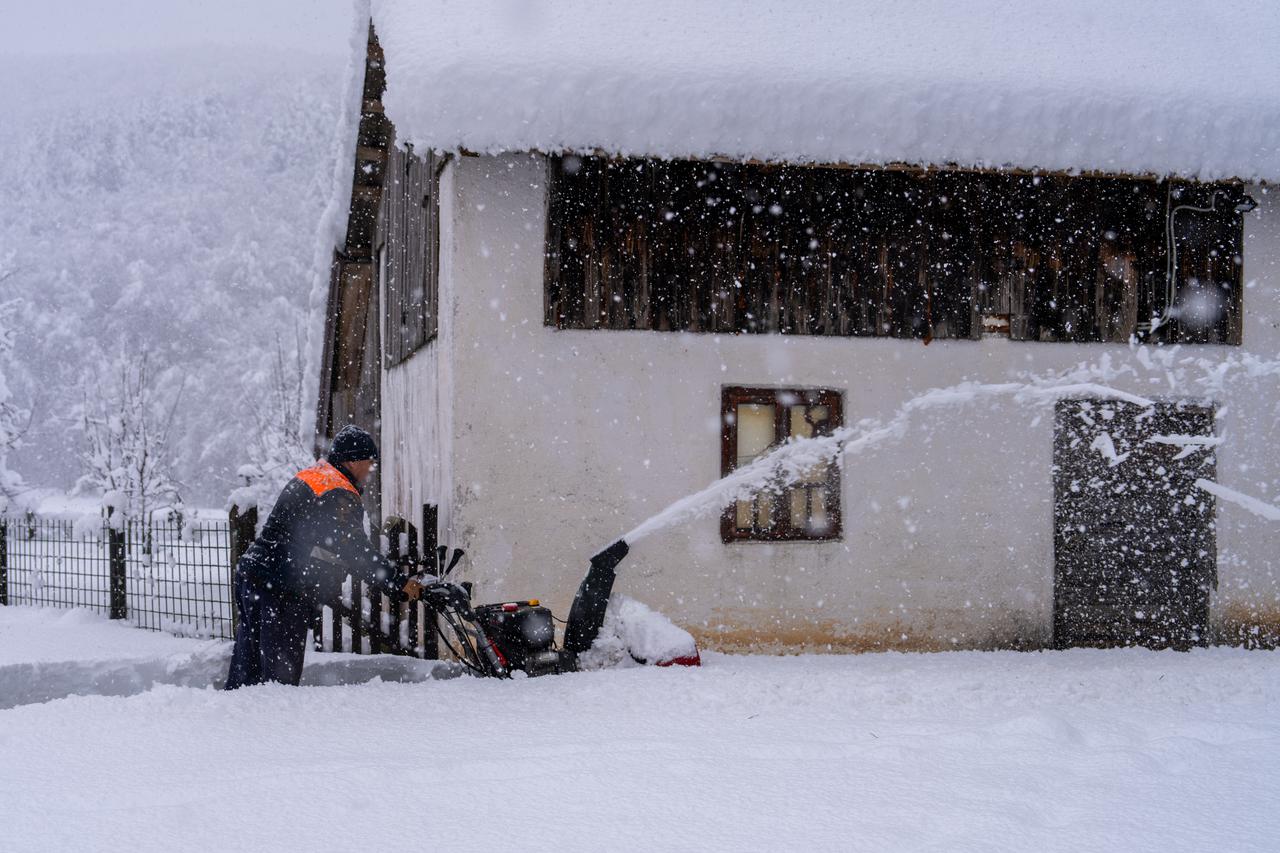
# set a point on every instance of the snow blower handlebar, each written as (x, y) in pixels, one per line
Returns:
(478, 647)
(425, 571)
(452, 602)
(438, 569)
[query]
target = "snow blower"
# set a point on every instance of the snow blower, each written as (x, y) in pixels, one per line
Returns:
(495, 640)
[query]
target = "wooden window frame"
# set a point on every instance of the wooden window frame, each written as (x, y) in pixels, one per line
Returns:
(733, 396)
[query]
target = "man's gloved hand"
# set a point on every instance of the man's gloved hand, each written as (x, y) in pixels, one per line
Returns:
(412, 590)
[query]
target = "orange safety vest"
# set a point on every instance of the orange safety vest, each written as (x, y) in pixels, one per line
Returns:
(323, 477)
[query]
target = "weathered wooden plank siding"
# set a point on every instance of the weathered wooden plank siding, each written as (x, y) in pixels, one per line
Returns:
(349, 372)
(408, 231)
(738, 248)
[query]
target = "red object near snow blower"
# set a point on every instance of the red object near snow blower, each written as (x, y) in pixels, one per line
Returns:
(497, 639)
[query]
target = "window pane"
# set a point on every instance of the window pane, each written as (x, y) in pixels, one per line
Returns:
(818, 520)
(742, 515)
(755, 431)
(800, 428)
(799, 508)
(817, 475)
(764, 512)
(803, 421)
(805, 418)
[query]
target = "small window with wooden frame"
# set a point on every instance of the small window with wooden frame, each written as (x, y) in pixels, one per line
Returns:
(409, 227)
(753, 422)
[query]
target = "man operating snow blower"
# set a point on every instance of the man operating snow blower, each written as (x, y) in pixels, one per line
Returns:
(312, 540)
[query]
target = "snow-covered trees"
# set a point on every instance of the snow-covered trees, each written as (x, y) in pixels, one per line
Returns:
(126, 421)
(279, 449)
(179, 212)
(11, 417)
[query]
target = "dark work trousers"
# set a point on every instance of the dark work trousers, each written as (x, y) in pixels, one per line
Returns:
(271, 639)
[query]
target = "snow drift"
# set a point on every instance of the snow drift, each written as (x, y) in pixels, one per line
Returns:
(634, 633)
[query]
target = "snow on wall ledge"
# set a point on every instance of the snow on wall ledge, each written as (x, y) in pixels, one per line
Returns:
(1173, 87)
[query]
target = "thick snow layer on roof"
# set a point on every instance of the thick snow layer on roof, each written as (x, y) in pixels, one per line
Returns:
(1169, 87)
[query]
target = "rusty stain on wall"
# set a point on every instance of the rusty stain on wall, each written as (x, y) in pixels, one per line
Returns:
(765, 631)
(762, 631)
(1253, 626)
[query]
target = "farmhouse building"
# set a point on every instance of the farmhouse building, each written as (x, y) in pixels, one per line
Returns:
(600, 254)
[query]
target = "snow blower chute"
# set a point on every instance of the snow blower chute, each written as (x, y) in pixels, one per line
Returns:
(592, 600)
(497, 639)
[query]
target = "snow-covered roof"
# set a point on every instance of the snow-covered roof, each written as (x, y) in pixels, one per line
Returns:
(1182, 87)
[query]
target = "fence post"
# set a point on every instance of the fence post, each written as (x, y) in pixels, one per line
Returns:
(4, 562)
(430, 539)
(116, 567)
(392, 527)
(244, 529)
(413, 609)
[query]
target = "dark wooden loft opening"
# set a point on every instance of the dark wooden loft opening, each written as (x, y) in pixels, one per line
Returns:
(738, 248)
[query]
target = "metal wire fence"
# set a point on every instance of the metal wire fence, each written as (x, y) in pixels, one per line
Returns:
(167, 575)
(178, 577)
(174, 575)
(50, 564)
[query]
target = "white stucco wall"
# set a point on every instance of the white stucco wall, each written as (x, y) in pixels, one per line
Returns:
(563, 440)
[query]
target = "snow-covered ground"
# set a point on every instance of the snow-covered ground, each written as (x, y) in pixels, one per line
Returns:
(46, 654)
(1081, 750)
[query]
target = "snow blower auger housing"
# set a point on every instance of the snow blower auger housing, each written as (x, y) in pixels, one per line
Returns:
(497, 639)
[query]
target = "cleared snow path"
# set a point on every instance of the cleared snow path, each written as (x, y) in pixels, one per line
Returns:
(1082, 750)
(48, 654)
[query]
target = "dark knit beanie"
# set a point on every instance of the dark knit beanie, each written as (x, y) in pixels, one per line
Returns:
(352, 444)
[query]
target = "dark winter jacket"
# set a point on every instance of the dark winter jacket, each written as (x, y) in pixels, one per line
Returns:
(314, 538)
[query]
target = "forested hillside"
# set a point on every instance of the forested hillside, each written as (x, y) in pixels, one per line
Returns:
(163, 203)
